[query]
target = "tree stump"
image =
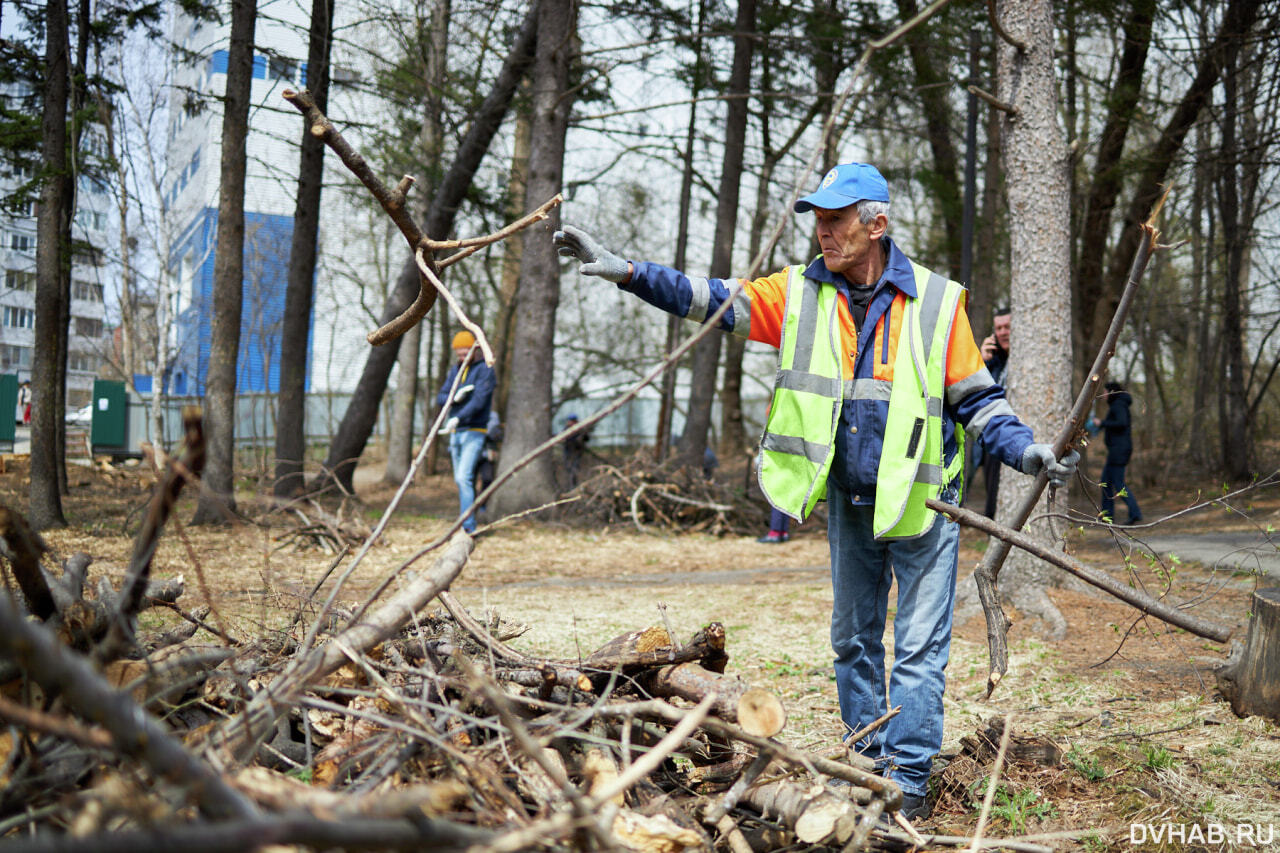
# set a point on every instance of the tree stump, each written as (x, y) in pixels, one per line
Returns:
(1250, 679)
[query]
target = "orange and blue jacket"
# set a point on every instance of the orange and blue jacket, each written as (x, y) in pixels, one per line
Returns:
(973, 399)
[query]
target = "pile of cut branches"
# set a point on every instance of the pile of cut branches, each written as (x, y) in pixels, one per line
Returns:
(317, 527)
(440, 734)
(667, 498)
(401, 722)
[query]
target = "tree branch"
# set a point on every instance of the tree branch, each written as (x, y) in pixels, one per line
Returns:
(1150, 606)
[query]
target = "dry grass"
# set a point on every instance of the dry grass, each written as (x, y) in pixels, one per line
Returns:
(1145, 737)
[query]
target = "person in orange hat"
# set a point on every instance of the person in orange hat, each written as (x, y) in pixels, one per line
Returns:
(467, 420)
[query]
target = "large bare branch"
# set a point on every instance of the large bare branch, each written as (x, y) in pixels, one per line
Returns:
(988, 571)
(163, 501)
(62, 672)
(1139, 599)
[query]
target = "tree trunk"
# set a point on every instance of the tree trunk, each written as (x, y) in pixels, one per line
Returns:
(291, 436)
(53, 265)
(1235, 434)
(706, 355)
(217, 495)
(512, 251)
(1039, 381)
(362, 412)
(666, 410)
(529, 405)
(1250, 680)
(404, 408)
(430, 149)
(75, 167)
(1203, 357)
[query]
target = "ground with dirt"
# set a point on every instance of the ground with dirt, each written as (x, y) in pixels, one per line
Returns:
(1146, 743)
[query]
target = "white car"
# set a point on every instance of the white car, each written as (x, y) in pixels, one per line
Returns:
(81, 417)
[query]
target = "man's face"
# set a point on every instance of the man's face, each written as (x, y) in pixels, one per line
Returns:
(845, 240)
(1004, 324)
(461, 352)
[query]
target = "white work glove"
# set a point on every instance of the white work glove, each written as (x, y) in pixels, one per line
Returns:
(596, 259)
(1039, 457)
(450, 425)
(463, 392)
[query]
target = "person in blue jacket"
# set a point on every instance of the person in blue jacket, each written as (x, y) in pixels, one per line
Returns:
(467, 421)
(1119, 440)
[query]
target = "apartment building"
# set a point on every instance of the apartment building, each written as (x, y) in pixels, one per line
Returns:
(88, 271)
(337, 346)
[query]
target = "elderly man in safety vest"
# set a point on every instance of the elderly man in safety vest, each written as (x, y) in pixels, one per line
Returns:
(877, 367)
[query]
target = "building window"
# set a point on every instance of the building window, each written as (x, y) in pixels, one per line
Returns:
(88, 327)
(20, 242)
(19, 318)
(82, 361)
(12, 357)
(259, 67)
(86, 290)
(20, 280)
(91, 220)
(218, 62)
(282, 68)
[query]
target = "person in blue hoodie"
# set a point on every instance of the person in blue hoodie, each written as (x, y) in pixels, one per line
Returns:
(467, 421)
(1119, 442)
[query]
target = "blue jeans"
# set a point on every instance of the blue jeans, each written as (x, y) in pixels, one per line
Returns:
(465, 447)
(1113, 484)
(862, 570)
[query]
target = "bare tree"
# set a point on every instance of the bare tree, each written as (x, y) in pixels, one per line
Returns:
(291, 439)
(53, 271)
(706, 355)
(529, 404)
(218, 494)
(430, 149)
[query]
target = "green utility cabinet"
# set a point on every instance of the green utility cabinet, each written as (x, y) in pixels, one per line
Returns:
(109, 432)
(8, 403)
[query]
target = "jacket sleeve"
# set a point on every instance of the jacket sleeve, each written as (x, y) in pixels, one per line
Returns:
(977, 403)
(448, 383)
(755, 313)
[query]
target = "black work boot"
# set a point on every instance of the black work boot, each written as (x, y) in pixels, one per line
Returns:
(914, 807)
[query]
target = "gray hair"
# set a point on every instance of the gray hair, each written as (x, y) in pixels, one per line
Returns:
(869, 210)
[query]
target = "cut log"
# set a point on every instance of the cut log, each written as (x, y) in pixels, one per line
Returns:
(1250, 679)
(652, 646)
(813, 813)
(756, 710)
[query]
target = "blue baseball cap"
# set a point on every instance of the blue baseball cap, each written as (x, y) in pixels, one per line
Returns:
(846, 184)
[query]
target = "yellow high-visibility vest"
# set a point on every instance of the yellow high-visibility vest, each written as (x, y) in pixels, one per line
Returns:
(798, 445)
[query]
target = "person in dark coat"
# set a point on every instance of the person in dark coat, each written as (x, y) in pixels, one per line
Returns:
(574, 446)
(1119, 442)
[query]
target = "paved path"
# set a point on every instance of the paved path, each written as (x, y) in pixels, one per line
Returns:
(1243, 551)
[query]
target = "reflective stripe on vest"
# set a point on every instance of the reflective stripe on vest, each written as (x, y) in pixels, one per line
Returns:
(911, 460)
(799, 439)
